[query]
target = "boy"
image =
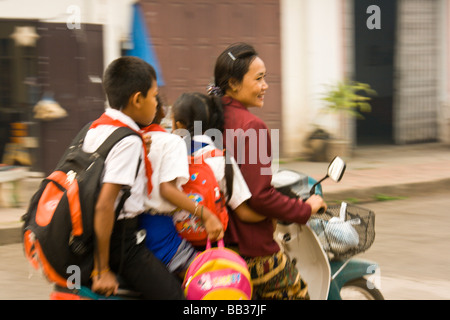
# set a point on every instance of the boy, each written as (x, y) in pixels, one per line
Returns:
(131, 89)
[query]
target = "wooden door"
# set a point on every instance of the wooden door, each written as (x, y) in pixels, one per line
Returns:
(70, 67)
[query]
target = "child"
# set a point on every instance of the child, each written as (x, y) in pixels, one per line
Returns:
(196, 109)
(130, 86)
(168, 156)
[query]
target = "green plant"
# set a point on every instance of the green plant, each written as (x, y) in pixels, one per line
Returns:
(345, 96)
(384, 197)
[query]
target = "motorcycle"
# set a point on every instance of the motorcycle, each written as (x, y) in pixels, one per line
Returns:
(324, 248)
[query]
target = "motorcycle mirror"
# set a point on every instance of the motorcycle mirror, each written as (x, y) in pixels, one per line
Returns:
(336, 169)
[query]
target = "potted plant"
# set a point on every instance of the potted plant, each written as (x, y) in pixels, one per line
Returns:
(347, 99)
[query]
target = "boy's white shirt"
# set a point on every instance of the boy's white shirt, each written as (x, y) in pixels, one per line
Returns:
(122, 162)
(168, 156)
(241, 192)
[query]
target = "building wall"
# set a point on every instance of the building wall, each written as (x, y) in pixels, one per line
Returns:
(114, 15)
(189, 35)
(444, 97)
(69, 62)
(314, 49)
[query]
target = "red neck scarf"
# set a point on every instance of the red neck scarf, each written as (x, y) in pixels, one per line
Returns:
(154, 127)
(107, 120)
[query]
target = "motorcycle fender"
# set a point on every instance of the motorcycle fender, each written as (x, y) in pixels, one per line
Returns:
(301, 243)
(348, 270)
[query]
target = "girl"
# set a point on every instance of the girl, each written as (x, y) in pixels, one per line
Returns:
(199, 115)
(240, 82)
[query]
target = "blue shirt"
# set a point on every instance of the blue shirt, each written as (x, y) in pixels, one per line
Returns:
(162, 237)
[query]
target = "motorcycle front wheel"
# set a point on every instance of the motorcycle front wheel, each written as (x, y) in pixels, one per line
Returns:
(358, 289)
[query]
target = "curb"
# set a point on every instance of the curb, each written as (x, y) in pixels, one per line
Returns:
(367, 195)
(11, 235)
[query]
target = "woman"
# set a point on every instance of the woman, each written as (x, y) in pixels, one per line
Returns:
(240, 79)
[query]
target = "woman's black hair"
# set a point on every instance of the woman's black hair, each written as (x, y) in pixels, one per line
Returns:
(233, 63)
(195, 106)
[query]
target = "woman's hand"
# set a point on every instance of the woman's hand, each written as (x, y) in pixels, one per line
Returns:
(316, 202)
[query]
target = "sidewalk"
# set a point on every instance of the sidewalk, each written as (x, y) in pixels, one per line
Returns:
(386, 171)
(373, 171)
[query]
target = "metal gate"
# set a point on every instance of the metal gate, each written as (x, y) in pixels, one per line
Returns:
(416, 72)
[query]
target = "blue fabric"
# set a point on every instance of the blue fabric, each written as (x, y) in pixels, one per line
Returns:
(195, 146)
(141, 42)
(162, 237)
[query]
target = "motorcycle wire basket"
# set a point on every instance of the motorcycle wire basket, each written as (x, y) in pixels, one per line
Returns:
(344, 237)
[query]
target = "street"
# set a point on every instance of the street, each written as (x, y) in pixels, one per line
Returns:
(18, 279)
(411, 246)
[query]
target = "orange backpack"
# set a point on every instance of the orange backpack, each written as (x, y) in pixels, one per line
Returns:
(202, 188)
(58, 229)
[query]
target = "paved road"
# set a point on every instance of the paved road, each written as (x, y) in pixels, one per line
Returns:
(18, 280)
(412, 245)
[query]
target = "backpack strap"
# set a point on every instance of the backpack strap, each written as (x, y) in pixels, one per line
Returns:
(229, 175)
(111, 141)
(103, 151)
(76, 142)
(229, 172)
(79, 138)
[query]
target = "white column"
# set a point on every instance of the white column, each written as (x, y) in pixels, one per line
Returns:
(294, 74)
(312, 57)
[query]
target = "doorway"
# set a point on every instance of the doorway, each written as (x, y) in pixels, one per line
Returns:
(374, 64)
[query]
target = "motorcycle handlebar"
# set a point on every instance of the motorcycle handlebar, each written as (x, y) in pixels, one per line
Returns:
(321, 210)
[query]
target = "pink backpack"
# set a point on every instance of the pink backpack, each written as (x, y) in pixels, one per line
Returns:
(218, 274)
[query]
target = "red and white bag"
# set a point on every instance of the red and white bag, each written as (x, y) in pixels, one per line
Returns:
(203, 189)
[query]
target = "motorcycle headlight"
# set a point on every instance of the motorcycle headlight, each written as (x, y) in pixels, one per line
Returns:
(294, 184)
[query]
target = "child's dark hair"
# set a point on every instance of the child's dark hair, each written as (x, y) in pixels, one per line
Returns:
(126, 76)
(195, 106)
(160, 112)
(233, 63)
